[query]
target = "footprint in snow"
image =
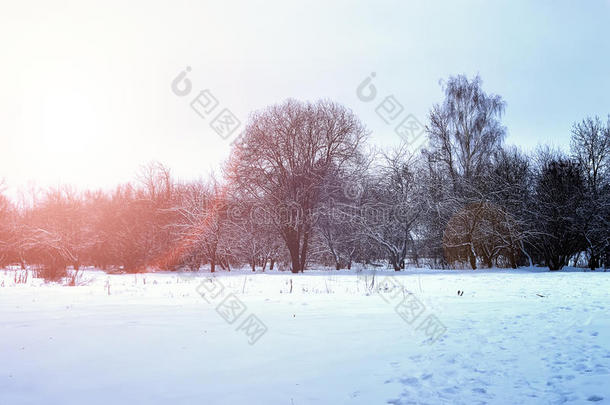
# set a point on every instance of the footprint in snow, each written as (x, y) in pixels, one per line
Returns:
(411, 381)
(580, 367)
(595, 398)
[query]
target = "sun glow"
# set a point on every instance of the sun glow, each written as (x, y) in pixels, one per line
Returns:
(72, 119)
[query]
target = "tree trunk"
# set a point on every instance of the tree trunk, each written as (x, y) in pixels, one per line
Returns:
(593, 261)
(513, 260)
(293, 249)
(304, 250)
(296, 263)
(554, 263)
(395, 264)
(293, 246)
(473, 260)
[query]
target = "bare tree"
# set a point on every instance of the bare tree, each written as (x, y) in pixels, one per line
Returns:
(287, 154)
(558, 199)
(465, 130)
(6, 225)
(57, 233)
(339, 225)
(203, 221)
(510, 187)
(464, 133)
(394, 207)
(590, 145)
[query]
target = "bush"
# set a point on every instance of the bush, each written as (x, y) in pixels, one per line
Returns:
(50, 273)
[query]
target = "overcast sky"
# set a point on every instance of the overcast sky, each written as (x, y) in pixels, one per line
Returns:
(85, 86)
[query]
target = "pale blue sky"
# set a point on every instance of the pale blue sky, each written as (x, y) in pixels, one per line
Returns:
(86, 92)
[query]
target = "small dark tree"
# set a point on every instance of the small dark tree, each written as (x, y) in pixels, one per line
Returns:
(558, 198)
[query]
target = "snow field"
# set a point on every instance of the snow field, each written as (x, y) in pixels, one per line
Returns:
(514, 337)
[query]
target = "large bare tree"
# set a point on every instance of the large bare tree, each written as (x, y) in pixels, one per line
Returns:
(287, 154)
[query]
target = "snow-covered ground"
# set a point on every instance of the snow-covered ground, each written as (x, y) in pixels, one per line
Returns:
(513, 337)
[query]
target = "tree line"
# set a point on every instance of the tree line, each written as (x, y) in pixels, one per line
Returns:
(303, 187)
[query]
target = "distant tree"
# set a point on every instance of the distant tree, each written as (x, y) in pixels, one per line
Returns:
(128, 223)
(465, 130)
(463, 234)
(7, 216)
(483, 232)
(251, 234)
(464, 134)
(340, 234)
(590, 146)
(102, 213)
(56, 233)
(395, 206)
(558, 198)
(202, 223)
(157, 197)
(509, 186)
(439, 205)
